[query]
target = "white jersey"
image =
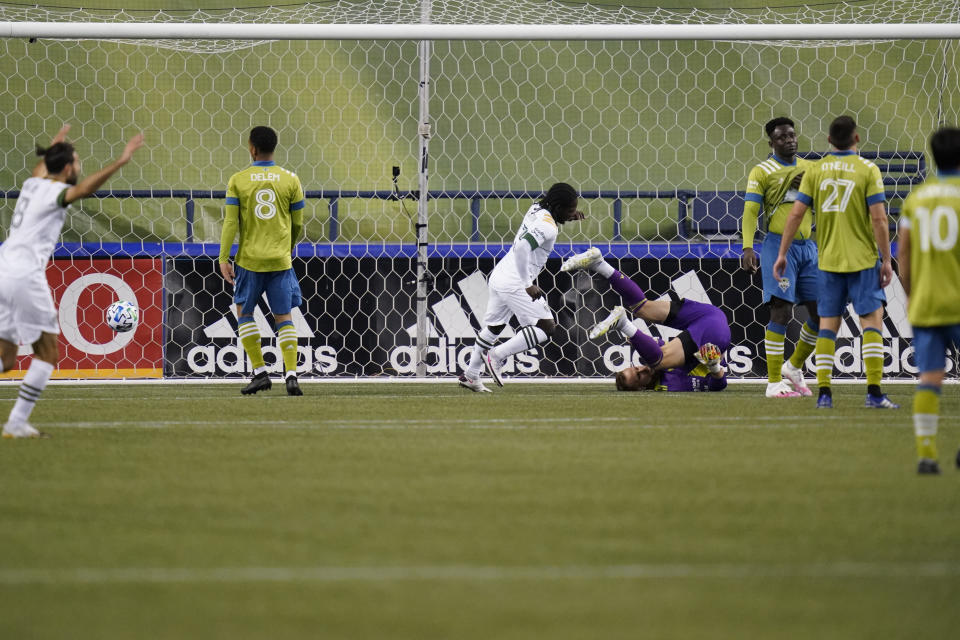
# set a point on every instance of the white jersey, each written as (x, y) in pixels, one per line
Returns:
(539, 225)
(35, 226)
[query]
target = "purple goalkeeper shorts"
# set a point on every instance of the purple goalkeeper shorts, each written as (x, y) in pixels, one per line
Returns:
(703, 322)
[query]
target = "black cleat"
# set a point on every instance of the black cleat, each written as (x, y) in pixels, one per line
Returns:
(927, 467)
(260, 382)
(958, 458)
(293, 387)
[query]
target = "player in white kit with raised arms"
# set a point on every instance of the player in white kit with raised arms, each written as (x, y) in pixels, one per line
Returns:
(27, 312)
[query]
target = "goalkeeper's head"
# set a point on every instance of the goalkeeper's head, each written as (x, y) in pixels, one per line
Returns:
(635, 379)
(561, 201)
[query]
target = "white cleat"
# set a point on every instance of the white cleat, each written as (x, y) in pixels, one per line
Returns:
(794, 376)
(612, 321)
(21, 430)
(781, 390)
(583, 260)
(494, 367)
(473, 385)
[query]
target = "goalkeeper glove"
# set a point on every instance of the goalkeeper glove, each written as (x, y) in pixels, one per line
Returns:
(710, 356)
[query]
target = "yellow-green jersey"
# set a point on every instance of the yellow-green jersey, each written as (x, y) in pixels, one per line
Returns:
(931, 213)
(841, 187)
(769, 186)
(265, 204)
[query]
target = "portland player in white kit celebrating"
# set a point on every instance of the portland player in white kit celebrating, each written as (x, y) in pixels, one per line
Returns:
(513, 290)
(27, 312)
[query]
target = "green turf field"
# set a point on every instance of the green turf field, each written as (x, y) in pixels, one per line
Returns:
(420, 511)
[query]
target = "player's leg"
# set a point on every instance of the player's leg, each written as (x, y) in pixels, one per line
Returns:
(831, 301)
(486, 339)
(649, 350)
(773, 343)
(930, 345)
(45, 356)
(537, 326)
(31, 317)
(804, 274)
(868, 300)
(283, 294)
(779, 296)
(247, 289)
(8, 355)
(634, 300)
(495, 320)
(806, 344)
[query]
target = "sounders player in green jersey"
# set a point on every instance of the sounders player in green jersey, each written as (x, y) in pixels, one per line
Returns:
(929, 258)
(846, 193)
(265, 204)
(772, 188)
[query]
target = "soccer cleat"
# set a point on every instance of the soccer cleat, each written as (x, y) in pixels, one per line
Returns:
(880, 402)
(610, 322)
(958, 459)
(794, 376)
(260, 382)
(473, 385)
(583, 260)
(293, 387)
(493, 367)
(825, 402)
(781, 390)
(928, 467)
(22, 430)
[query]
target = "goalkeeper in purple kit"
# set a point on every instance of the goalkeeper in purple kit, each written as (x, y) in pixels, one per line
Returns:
(692, 361)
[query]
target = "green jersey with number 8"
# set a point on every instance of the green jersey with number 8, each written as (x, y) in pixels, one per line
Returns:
(931, 214)
(840, 187)
(265, 203)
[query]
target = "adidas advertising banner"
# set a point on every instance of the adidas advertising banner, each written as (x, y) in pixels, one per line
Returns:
(358, 318)
(82, 290)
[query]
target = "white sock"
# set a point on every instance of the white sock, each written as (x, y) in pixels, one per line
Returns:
(627, 328)
(603, 268)
(30, 389)
(485, 341)
(527, 338)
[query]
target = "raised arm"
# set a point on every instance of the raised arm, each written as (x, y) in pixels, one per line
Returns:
(40, 171)
(90, 184)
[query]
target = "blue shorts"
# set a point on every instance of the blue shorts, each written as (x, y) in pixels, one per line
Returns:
(862, 288)
(930, 346)
(799, 282)
(281, 287)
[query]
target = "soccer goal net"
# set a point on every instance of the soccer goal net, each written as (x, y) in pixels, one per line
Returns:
(657, 133)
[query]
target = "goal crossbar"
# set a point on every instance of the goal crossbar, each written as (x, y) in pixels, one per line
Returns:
(727, 32)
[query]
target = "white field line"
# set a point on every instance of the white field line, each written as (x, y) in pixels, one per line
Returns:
(467, 573)
(539, 424)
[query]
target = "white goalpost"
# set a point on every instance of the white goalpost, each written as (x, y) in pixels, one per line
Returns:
(465, 110)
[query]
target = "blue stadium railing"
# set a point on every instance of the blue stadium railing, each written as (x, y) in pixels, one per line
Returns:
(911, 164)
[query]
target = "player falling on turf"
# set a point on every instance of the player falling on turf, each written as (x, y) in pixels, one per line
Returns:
(772, 187)
(265, 203)
(929, 259)
(513, 290)
(27, 312)
(846, 192)
(692, 361)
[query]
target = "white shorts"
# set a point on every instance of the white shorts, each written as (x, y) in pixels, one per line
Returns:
(26, 308)
(501, 305)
